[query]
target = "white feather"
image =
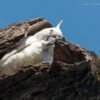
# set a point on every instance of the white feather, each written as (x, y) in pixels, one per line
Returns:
(33, 50)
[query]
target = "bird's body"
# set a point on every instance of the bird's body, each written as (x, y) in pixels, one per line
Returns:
(31, 55)
(33, 50)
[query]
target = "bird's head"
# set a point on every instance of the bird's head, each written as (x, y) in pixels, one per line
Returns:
(50, 32)
(56, 32)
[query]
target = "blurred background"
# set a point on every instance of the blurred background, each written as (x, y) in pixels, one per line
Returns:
(81, 18)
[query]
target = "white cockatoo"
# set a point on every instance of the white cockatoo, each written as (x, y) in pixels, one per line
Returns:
(33, 50)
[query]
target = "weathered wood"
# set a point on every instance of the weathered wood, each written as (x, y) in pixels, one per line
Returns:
(75, 78)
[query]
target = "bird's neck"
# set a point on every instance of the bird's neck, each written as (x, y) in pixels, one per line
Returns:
(39, 36)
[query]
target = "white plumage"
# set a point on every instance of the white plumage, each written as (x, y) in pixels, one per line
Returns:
(33, 50)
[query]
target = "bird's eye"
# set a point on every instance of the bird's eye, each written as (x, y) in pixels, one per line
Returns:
(51, 30)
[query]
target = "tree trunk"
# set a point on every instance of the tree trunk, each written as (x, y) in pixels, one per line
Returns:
(74, 74)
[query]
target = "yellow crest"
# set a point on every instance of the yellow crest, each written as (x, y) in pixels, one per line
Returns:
(58, 26)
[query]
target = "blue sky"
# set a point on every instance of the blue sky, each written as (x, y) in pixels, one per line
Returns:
(81, 18)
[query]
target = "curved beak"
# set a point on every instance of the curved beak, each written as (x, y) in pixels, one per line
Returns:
(61, 42)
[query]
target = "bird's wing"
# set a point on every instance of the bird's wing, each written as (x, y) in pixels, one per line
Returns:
(12, 53)
(20, 49)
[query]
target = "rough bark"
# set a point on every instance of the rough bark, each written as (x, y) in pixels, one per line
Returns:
(74, 75)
